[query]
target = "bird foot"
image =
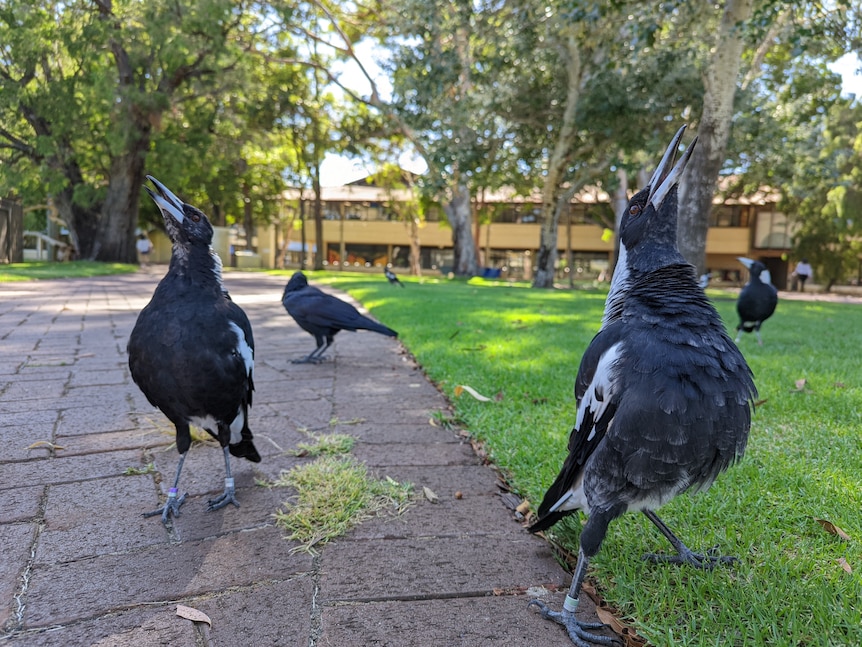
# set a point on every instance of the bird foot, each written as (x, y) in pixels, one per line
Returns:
(308, 360)
(228, 496)
(578, 631)
(705, 562)
(171, 507)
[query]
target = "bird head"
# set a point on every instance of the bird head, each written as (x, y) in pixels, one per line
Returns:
(185, 224)
(648, 225)
(296, 282)
(758, 270)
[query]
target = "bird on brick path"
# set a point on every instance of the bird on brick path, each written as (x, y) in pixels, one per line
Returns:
(664, 396)
(392, 277)
(756, 301)
(191, 351)
(323, 315)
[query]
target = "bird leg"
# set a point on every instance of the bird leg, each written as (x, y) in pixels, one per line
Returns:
(172, 505)
(759, 340)
(684, 554)
(229, 489)
(314, 357)
(578, 631)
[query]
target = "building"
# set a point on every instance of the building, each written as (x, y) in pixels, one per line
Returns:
(361, 229)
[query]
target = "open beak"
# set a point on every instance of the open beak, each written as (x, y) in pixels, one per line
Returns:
(667, 175)
(166, 201)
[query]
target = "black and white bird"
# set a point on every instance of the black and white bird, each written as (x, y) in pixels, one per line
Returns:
(756, 301)
(392, 277)
(191, 351)
(664, 396)
(323, 315)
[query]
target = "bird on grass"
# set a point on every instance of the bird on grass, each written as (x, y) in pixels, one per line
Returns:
(323, 315)
(191, 351)
(757, 301)
(664, 396)
(392, 277)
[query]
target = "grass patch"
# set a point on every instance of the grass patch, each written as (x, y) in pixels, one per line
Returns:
(325, 445)
(34, 270)
(333, 495)
(803, 463)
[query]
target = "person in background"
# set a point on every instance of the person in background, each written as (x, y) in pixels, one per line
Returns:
(803, 271)
(144, 247)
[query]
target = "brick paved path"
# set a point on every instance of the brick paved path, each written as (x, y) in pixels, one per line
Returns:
(81, 566)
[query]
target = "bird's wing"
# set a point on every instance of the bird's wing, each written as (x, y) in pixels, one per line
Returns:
(326, 311)
(597, 393)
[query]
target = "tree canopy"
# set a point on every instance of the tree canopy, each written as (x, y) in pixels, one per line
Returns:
(230, 102)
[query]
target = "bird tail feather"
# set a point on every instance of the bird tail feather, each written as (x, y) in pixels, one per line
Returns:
(245, 449)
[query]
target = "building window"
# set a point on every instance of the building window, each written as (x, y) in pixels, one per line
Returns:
(772, 230)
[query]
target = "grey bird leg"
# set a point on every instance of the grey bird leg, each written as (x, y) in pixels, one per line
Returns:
(172, 505)
(578, 631)
(738, 335)
(684, 554)
(229, 489)
(314, 357)
(759, 340)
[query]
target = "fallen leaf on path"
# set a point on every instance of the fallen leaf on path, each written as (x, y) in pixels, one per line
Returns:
(193, 614)
(461, 388)
(430, 495)
(45, 443)
(831, 528)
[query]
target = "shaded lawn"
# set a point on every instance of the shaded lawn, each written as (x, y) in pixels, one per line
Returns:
(804, 458)
(32, 270)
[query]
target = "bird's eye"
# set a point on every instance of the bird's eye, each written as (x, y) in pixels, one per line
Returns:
(196, 217)
(634, 210)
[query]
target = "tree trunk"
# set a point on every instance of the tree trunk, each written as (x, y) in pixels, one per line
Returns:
(415, 248)
(459, 214)
(318, 219)
(546, 261)
(698, 185)
(115, 238)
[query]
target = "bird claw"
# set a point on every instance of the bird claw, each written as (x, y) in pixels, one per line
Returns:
(228, 496)
(695, 560)
(578, 631)
(170, 509)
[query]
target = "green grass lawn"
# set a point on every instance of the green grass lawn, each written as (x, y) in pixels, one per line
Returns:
(47, 270)
(521, 347)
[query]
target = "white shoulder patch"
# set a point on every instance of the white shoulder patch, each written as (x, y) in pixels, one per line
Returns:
(243, 348)
(601, 390)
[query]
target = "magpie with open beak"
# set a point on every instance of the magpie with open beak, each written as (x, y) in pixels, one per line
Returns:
(191, 351)
(664, 397)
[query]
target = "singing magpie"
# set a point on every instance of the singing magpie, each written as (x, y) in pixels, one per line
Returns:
(191, 351)
(664, 396)
(393, 278)
(757, 301)
(323, 315)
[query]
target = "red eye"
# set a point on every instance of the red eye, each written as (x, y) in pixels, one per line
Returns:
(196, 217)
(634, 210)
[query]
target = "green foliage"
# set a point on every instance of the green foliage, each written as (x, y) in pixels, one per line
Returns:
(803, 462)
(32, 270)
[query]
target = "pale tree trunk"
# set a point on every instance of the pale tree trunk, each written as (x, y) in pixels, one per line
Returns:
(459, 214)
(701, 176)
(415, 248)
(620, 202)
(546, 261)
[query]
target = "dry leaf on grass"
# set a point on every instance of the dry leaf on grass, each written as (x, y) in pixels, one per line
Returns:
(831, 528)
(193, 614)
(843, 564)
(800, 385)
(461, 388)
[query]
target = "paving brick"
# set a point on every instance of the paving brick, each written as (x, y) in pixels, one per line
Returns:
(488, 621)
(415, 454)
(70, 469)
(21, 503)
(62, 593)
(16, 540)
(439, 567)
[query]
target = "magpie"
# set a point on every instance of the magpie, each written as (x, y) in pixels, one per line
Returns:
(757, 301)
(664, 397)
(393, 278)
(191, 351)
(323, 315)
